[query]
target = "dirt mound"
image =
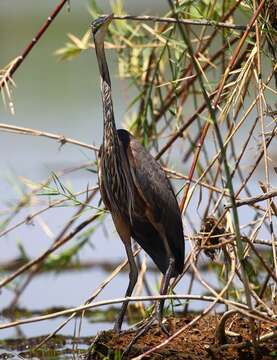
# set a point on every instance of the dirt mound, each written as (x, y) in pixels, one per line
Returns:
(195, 343)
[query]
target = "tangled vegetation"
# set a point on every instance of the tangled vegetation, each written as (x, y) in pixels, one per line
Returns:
(204, 79)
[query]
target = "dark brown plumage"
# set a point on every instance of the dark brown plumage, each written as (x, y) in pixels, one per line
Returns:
(136, 190)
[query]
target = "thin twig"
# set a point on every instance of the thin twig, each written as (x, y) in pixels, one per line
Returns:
(33, 42)
(60, 138)
(100, 288)
(254, 199)
(201, 22)
(132, 299)
(53, 204)
(50, 250)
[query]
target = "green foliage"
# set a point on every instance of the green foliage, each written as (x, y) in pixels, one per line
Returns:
(22, 251)
(75, 47)
(59, 261)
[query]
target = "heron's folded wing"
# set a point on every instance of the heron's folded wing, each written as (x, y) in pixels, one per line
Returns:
(156, 191)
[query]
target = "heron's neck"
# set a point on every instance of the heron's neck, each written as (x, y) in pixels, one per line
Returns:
(110, 138)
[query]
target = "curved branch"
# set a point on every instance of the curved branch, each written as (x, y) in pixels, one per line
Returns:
(220, 333)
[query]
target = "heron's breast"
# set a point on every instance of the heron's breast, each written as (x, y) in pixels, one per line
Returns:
(117, 187)
(114, 184)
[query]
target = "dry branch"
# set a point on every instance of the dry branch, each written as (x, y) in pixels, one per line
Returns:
(254, 199)
(30, 46)
(60, 138)
(201, 22)
(79, 309)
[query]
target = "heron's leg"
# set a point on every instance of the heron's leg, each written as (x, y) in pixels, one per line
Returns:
(163, 291)
(133, 276)
(158, 315)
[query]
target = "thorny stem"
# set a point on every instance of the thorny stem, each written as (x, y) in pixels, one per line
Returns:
(33, 42)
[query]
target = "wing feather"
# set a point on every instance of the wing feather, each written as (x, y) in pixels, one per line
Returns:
(155, 189)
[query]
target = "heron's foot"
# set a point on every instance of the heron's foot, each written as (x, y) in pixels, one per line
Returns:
(118, 323)
(117, 327)
(141, 330)
(164, 328)
(159, 317)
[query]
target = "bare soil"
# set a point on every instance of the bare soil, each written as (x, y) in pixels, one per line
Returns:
(195, 343)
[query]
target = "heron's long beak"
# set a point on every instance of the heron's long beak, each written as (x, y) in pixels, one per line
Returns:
(99, 47)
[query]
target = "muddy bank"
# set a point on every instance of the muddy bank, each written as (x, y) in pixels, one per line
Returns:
(195, 343)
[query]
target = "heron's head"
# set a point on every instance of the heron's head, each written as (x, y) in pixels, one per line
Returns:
(99, 28)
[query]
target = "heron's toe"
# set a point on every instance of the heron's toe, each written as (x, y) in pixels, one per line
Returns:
(117, 327)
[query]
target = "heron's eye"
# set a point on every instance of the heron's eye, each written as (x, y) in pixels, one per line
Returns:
(95, 25)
